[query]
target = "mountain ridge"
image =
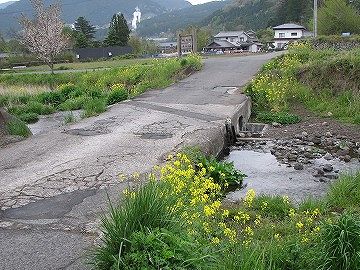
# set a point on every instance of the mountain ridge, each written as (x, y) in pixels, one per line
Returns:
(98, 13)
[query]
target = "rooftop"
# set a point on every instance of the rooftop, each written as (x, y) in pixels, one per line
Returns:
(289, 26)
(230, 34)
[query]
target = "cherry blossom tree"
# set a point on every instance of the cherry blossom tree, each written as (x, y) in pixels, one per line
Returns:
(43, 35)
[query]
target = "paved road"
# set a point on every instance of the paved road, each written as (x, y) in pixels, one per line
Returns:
(53, 186)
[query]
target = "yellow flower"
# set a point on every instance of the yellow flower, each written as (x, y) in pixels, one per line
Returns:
(215, 240)
(300, 225)
(292, 213)
(249, 197)
(249, 231)
(226, 213)
(277, 236)
(304, 240)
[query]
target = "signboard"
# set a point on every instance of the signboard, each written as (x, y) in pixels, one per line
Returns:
(187, 43)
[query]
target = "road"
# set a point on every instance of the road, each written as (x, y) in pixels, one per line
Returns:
(53, 186)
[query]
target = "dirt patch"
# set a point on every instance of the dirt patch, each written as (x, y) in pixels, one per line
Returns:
(314, 125)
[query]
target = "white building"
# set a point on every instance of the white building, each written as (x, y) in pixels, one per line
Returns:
(235, 40)
(136, 18)
(288, 32)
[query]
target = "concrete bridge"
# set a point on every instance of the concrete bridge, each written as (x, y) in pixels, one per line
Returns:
(53, 186)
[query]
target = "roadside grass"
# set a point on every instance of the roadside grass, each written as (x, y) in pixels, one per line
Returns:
(177, 221)
(326, 82)
(18, 128)
(111, 63)
(91, 91)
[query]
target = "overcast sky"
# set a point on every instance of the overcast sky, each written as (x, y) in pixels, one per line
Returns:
(194, 2)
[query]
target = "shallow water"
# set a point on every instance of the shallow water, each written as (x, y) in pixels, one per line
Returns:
(267, 176)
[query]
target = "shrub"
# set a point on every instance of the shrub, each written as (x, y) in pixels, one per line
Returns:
(18, 128)
(117, 94)
(32, 107)
(341, 244)
(148, 209)
(70, 91)
(94, 107)
(283, 118)
(50, 98)
(29, 117)
(222, 172)
(73, 104)
(162, 249)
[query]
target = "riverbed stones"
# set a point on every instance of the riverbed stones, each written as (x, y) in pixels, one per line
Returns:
(328, 168)
(299, 166)
(328, 156)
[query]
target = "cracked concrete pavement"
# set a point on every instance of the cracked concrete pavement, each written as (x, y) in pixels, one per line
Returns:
(55, 185)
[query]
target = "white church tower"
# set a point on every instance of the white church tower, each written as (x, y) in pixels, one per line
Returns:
(136, 19)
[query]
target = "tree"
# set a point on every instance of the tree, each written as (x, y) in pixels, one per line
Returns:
(43, 36)
(84, 33)
(80, 40)
(3, 45)
(337, 16)
(119, 32)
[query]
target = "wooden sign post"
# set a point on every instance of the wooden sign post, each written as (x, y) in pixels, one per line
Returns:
(187, 43)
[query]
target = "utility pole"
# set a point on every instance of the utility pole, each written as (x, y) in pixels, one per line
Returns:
(315, 18)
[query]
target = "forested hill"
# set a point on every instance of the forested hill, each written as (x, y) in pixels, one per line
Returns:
(179, 19)
(97, 12)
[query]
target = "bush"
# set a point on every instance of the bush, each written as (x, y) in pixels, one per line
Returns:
(18, 128)
(73, 104)
(29, 117)
(32, 107)
(117, 95)
(147, 210)
(70, 91)
(283, 118)
(94, 107)
(50, 98)
(341, 244)
(223, 173)
(162, 249)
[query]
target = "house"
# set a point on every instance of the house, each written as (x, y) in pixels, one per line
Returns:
(234, 41)
(289, 32)
(167, 47)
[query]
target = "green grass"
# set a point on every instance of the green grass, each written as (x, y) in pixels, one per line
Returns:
(345, 193)
(326, 82)
(283, 118)
(341, 243)
(89, 90)
(89, 65)
(18, 128)
(146, 231)
(94, 107)
(147, 211)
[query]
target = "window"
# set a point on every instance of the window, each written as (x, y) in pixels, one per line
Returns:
(294, 34)
(242, 39)
(281, 35)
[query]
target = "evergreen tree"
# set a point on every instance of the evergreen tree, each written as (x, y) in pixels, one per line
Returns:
(81, 41)
(337, 16)
(119, 32)
(83, 26)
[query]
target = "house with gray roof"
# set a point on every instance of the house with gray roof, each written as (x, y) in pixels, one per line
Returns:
(289, 32)
(234, 41)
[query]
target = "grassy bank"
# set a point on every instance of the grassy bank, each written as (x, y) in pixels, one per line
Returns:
(177, 221)
(325, 82)
(90, 91)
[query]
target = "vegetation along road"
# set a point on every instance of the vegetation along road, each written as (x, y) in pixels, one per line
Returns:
(53, 185)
